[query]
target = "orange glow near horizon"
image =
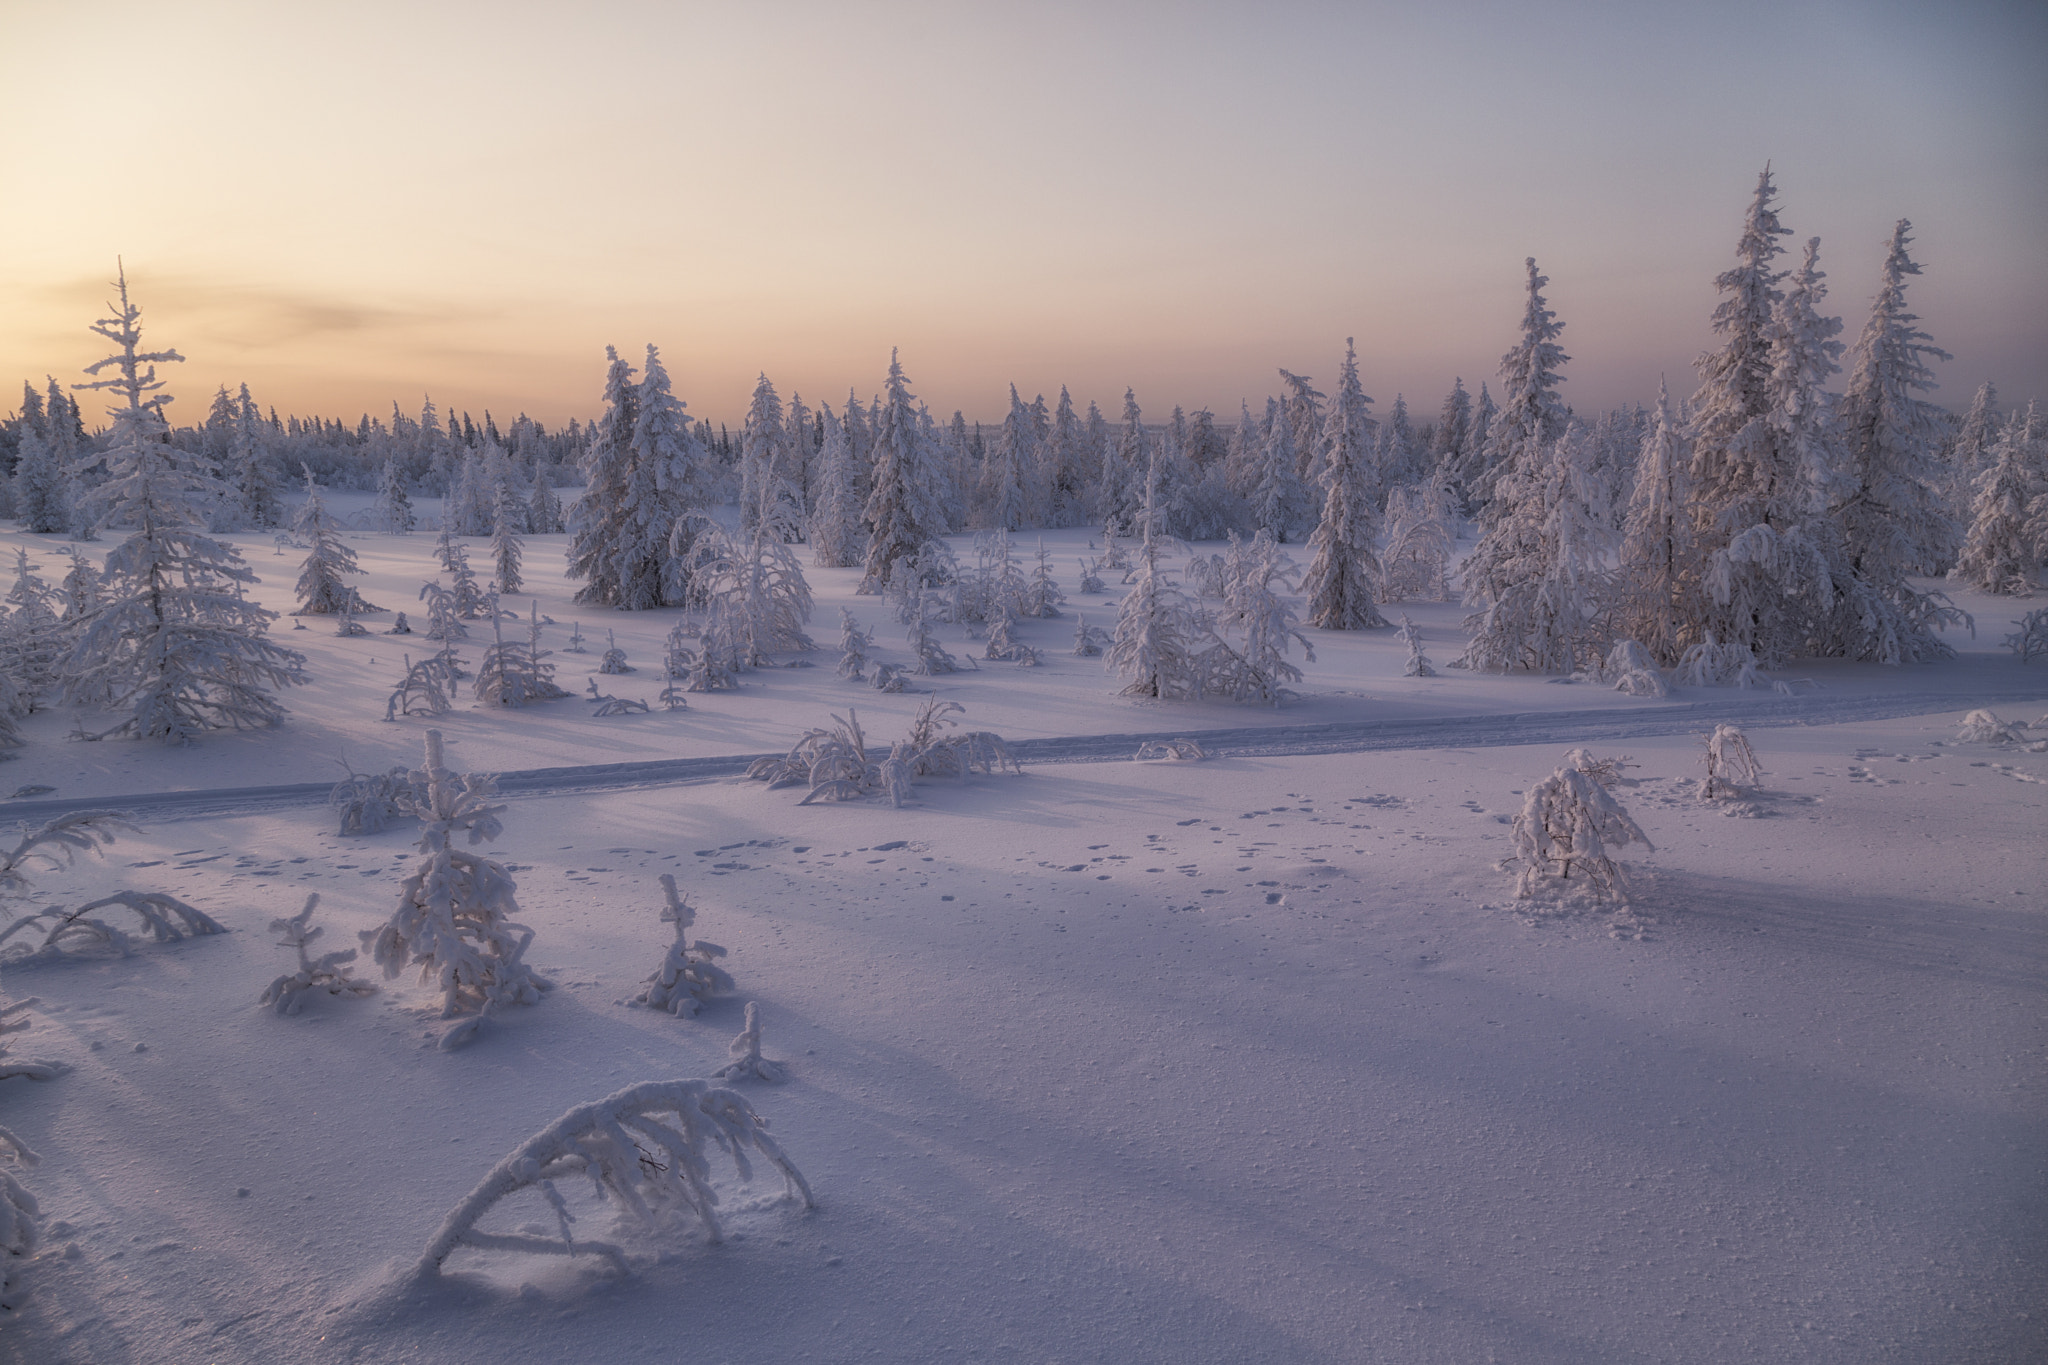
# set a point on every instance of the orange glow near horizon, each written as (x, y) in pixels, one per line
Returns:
(347, 208)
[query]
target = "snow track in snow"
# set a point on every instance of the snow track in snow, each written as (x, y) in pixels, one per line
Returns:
(1763, 711)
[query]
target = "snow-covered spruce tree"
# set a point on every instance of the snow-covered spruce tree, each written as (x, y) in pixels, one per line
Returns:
(1890, 512)
(1416, 566)
(1003, 497)
(640, 477)
(1158, 636)
(176, 646)
(1343, 572)
(1274, 493)
(1450, 442)
(42, 492)
(33, 641)
(328, 560)
(1532, 413)
(854, 644)
(455, 919)
(543, 508)
(689, 974)
(506, 548)
(327, 974)
(1247, 661)
(1126, 468)
(646, 1151)
(1068, 465)
(614, 660)
(1657, 583)
(516, 674)
(1418, 665)
(1302, 409)
(250, 468)
(765, 487)
(1544, 566)
(1999, 554)
(394, 502)
(1567, 825)
(905, 508)
(836, 535)
(1042, 596)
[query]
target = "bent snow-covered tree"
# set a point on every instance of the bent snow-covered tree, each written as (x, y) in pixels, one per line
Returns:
(176, 645)
(646, 1151)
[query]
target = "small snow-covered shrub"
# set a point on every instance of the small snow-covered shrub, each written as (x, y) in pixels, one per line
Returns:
(931, 655)
(1091, 577)
(645, 1149)
(1089, 641)
(1711, 664)
(1003, 649)
(20, 1230)
(347, 626)
(81, 933)
(1416, 565)
(747, 1062)
(575, 645)
(424, 689)
(1629, 668)
(615, 706)
(327, 974)
(854, 644)
(1731, 764)
(517, 674)
(1984, 727)
(614, 657)
(2030, 641)
(1043, 597)
(455, 912)
(689, 975)
(444, 617)
(1568, 823)
(837, 766)
(14, 1019)
(1172, 750)
(401, 626)
(369, 802)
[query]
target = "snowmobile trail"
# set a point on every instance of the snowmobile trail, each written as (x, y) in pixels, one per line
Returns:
(1364, 736)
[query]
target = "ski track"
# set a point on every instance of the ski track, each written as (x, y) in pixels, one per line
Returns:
(1365, 736)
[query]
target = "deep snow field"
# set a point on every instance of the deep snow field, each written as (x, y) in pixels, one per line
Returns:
(1249, 1059)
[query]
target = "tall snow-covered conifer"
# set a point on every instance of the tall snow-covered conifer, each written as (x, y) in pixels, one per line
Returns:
(904, 508)
(1343, 571)
(176, 645)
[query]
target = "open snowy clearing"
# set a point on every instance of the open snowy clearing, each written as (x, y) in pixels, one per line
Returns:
(1251, 1058)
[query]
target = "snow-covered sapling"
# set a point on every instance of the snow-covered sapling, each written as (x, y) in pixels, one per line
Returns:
(1043, 597)
(14, 1019)
(747, 1061)
(575, 645)
(1712, 664)
(347, 626)
(689, 974)
(327, 973)
(615, 706)
(369, 802)
(455, 912)
(1091, 578)
(1630, 668)
(321, 589)
(646, 1151)
(931, 655)
(20, 1231)
(516, 674)
(425, 688)
(400, 627)
(1089, 641)
(614, 657)
(1418, 665)
(1731, 764)
(444, 622)
(854, 644)
(1568, 823)
(1003, 649)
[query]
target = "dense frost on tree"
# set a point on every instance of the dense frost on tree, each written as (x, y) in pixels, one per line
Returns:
(444, 622)
(42, 493)
(176, 645)
(2001, 553)
(327, 974)
(1656, 585)
(56, 934)
(543, 508)
(1068, 463)
(251, 470)
(689, 974)
(640, 480)
(754, 587)
(1568, 825)
(1042, 597)
(745, 1050)
(1246, 657)
(1541, 573)
(1158, 635)
(767, 493)
(837, 538)
(1890, 510)
(506, 548)
(329, 561)
(1341, 581)
(33, 639)
(456, 914)
(1416, 564)
(516, 673)
(1418, 665)
(466, 597)
(1450, 443)
(1274, 495)
(906, 507)
(930, 654)
(608, 705)
(394, 501)
(1004, 496)
(1532, 413)
(1126, 467)
(646, 1151)
(854, 644)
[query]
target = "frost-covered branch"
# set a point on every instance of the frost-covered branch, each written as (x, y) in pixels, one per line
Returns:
(326, 973)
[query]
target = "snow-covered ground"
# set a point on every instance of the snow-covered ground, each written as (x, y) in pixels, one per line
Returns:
(1254, 1058)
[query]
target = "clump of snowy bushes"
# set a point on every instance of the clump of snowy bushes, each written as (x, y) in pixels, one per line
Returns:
(836, 765)
(647, 1152)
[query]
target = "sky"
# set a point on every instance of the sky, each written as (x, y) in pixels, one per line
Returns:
(347, 205)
